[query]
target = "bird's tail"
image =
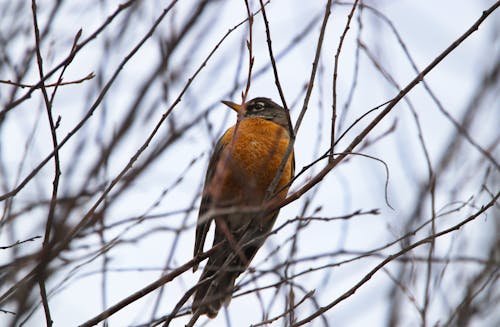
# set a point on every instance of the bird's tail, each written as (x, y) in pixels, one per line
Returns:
(219, 275)
(217, 282)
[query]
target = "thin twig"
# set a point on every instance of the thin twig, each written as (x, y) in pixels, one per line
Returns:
(273, 62)
(289, 150)
(391, 257)
(318, 177)
(37, 86)
(31, 239)
(44, 259)
(335, 72)
(150, 288)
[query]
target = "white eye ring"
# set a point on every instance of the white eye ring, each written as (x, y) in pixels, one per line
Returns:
(258, 106)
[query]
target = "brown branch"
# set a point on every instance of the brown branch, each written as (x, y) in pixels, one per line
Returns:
(68, 59)
(94, 106)
(37, 86)
(43, 262)
(335, 70)
(273, 61)
(390, 258)
(249, 44)
(31, 239)
(150, 288)
(290, 310)
(288, 153)
(459, 127)
(318, 177)
(90, 213)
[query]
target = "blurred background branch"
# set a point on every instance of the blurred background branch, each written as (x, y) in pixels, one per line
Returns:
(109, 112)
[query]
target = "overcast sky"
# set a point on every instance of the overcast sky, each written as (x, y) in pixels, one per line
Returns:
(427, 28)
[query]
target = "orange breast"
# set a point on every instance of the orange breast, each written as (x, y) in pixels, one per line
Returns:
(251, 160)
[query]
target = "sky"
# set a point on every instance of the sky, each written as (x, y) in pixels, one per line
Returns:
(171, 184)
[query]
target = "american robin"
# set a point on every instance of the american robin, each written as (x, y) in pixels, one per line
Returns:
(243, 165)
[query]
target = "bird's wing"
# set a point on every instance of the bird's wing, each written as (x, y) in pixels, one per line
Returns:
(203, 224)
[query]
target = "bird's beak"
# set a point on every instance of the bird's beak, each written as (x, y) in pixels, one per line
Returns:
(232, 105)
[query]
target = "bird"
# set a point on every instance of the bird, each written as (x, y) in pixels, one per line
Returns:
(241, 170)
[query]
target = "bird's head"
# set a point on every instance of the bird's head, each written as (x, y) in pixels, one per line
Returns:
(263, 108)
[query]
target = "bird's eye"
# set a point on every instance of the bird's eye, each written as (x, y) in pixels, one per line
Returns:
(258, 106)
